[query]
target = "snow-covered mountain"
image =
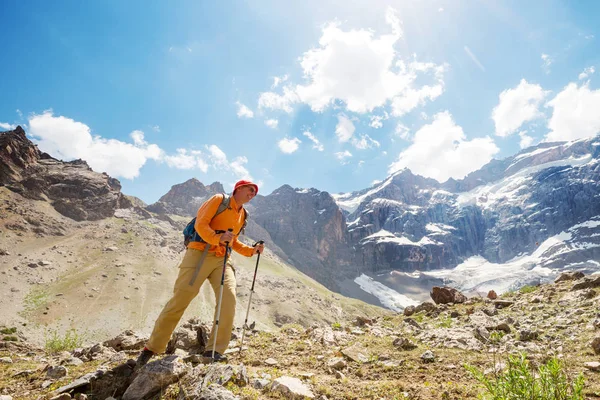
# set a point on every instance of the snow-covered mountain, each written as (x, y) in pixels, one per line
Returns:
(513, 222)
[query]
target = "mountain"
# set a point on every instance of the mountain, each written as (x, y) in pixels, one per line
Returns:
(72, 188)
(535, 212)
(526, 218)
(185, 198)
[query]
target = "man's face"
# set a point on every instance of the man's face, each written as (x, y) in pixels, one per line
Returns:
(245, 194)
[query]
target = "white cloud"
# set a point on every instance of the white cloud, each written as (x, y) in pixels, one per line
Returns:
(276, 101)
(587, 72)
(155, 128)
(517, 106)
(344, 128)
(365, 142)
(19, 113)
(364, 71)
(272, 123)
(441, 9)
(277, 80)
(343, 156)
(7, 126)
(243, 111)
(546, 63)
(526, 140)
(185, 159)
(219, 161)
(288, 146)
(361, 163)
(576, 113)
(67, 139)
(440, 150)
(376, 122)
(316, 143)
(474, 58)
(402, 131)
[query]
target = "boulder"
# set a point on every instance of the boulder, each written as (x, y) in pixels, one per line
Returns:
(291, 388)
(154, 377)
(569, 276)
(445, 295)
(128, 340)
(222, 374)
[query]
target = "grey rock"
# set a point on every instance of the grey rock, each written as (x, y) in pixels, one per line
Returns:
(428, 357)
(291, 388)
(337, 363)
(445, 295)
(260, 383)
(569, 276)
(128, 340)
(356, 353)
(410, 310)
(596, 345)
(224, 373)
(211, 392)
(404, 344)
(154, 377)
(57, 372)
(592, 366)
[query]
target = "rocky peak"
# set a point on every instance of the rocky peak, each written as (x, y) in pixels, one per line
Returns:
(309, 227)
(17, 153)
(72, 188)
(185, 198)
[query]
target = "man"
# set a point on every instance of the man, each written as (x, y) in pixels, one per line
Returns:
(213, 231)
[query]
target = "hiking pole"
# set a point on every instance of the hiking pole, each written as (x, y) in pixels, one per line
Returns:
(220, 297)
(251, 292)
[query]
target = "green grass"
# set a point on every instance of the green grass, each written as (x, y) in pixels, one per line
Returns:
(8, 331)
(528, 289)
(56, 343)
(549, 381)
(35, 299)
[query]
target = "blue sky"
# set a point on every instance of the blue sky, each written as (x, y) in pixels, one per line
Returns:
(318, 94)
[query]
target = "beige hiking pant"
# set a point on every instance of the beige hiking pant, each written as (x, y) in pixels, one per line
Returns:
(183, 294)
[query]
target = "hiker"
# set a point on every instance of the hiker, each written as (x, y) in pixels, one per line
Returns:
(218, 223)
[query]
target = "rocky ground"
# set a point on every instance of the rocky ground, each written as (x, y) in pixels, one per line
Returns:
(420, 354)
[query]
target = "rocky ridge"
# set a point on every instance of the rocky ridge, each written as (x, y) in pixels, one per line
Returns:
(420, 354)
(72, 188)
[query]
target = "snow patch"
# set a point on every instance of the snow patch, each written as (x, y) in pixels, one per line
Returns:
(510, 188)
(345, 201)
(388, 297)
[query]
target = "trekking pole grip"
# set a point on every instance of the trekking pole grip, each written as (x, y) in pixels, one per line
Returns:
(257, 243)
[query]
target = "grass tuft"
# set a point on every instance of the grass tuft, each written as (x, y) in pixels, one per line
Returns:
(549, 381)
(56, 343)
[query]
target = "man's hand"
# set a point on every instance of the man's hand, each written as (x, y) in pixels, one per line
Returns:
(226, 237)
(259, 248)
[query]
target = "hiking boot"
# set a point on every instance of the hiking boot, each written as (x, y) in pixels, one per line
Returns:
(218, 357)
(144, 357)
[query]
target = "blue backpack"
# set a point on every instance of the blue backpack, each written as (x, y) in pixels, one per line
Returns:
(190, 234)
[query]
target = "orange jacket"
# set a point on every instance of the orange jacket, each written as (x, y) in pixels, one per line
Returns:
(207, 224)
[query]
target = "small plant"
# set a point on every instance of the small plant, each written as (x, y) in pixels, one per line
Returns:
(8, 331)
(548, 382)
(337, 326)
(10, 338)
(445, 322)
(496, 337)
(528, 289)
(56, 343)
